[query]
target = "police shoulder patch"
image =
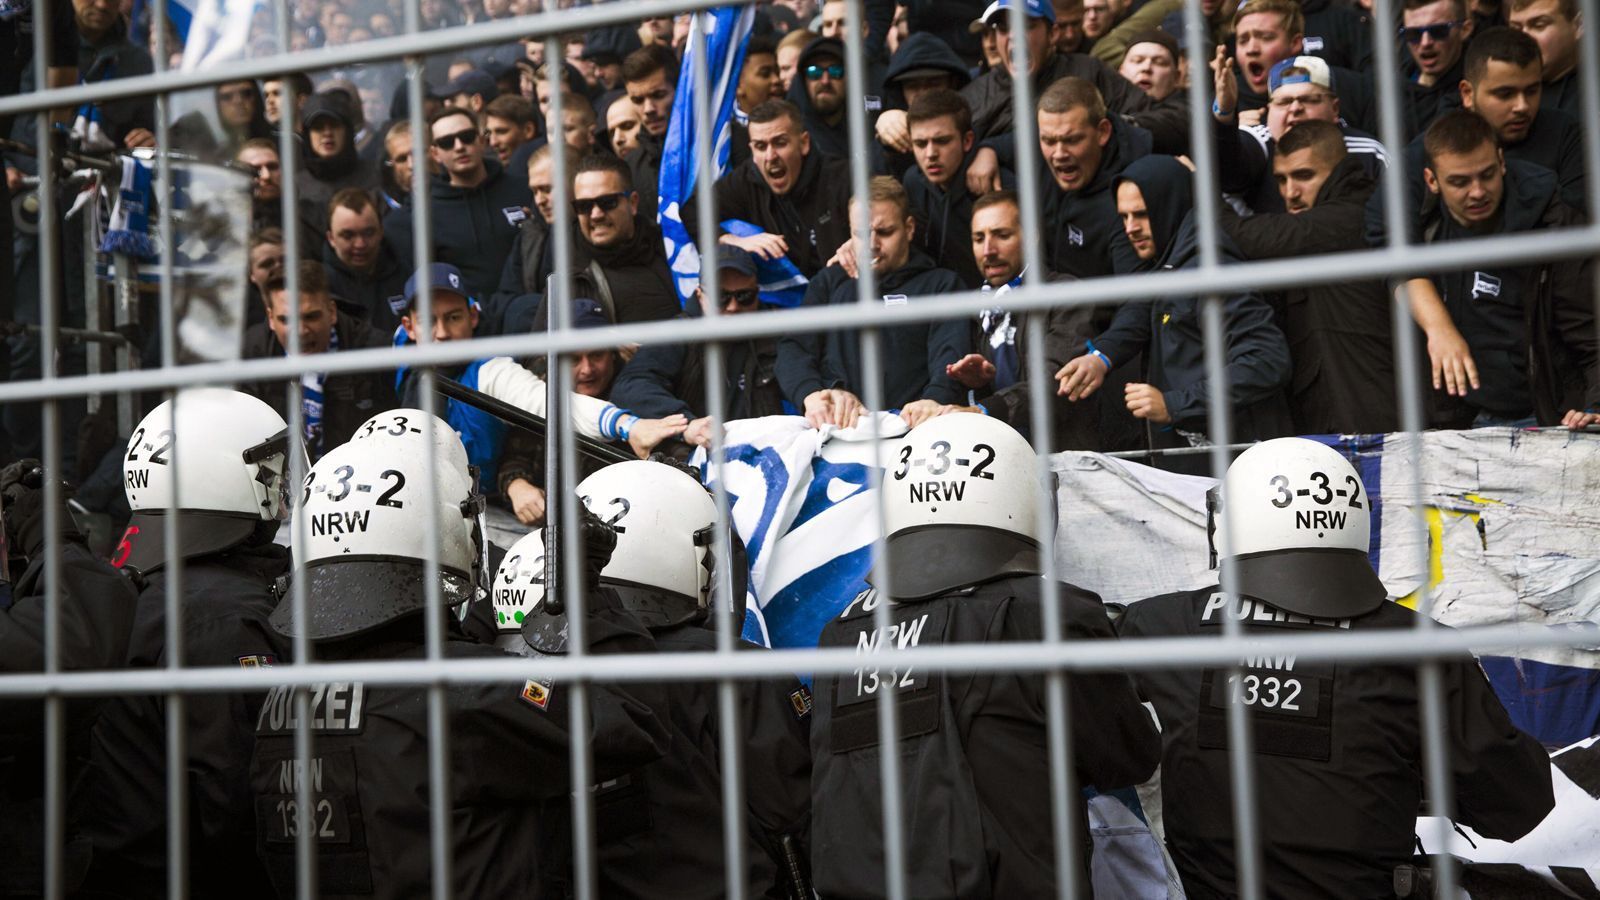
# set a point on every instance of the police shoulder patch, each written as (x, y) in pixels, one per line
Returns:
(537, 693)
(259, 661)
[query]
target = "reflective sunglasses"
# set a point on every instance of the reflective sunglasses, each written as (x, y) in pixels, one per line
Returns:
(606, 202)
(815, 73)
(1437, 31)
(467, 137)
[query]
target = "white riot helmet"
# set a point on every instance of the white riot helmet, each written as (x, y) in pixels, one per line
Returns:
(363, 562)
(961, 505)
(663, 517)
(518, 593)
(406, 427)
(1296, 520)
(232, 470)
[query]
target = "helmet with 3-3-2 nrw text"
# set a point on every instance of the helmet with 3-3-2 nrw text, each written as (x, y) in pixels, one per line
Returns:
(663, 518)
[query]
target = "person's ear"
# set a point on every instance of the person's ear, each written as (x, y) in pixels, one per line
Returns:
(1103, 131)
(967, 141)
(633, 203)
(1431, 180)
(1465, 87)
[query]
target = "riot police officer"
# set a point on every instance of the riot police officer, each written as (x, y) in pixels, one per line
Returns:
(94, 604)
(363, 570)
(660, 827)
(961, 502)
(224, 457)
(1338, 747)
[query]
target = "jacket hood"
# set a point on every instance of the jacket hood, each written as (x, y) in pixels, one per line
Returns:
(923, 51)
(1128, 143)
(321, 106)
(1168, 189)
(916, 264)
(1348, 181)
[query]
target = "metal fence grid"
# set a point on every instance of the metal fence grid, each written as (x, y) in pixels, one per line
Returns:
(1055, 657)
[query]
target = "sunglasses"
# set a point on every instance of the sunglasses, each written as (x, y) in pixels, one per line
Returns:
(467, 138)
(815, 73)
(606, 202)
(743, 299)
(1437, 32)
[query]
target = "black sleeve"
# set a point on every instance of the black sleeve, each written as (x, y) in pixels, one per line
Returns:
(645, 385)
(1321, 229)
(1501, 775)
(1258, 360)
(1241, 159)
(1121, 95)
(777, 748)
(799, 366)
(1168, 124)
(1067, 330)
(1128, 334)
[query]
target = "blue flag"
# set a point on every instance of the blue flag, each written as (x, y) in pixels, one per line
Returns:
(727, 34)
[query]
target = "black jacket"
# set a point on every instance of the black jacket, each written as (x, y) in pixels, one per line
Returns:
(1338, 34)
(914, 356)
(322, 178)
(833, 139)
(973, 746)
(920, 50)
(1562, 94)
(1168, 331)
(510, 786)
(645, 164)
(1244, 162)
(1340, 336)
(660, 826)
(121, 806)
(1555, 142)
(1426, 103)
(814, 217)
(348, 398)
(631, 280)
(377, 297)
(474, 229)
(1531, 327)
(96, 607)
(944, 222)
(117, 57)
(1338, 755)
(524, 279)
(990, 93)
(666, 379)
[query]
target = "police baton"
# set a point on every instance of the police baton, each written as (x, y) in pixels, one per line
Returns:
(527, 421)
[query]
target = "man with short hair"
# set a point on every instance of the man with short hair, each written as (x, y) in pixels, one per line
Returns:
(1435, 33)
(397, 166)
(798, 199)
(619, 258)
(332, 405)
(472, 90)
(820, 92)
(1339, 333)
(272, 90)
(525, 279)
(758, 80)
(670, 379)
(922, 65)
(941, 142)
(1151, 63)
(365, 273)
(508, 122)
(1099, 17)
(106, 52)
(1267, 32)
(623, 126)
(477, 206)
(650, 78)
(1556, 25)
(577, 122)
(1509, 344)
(1502, 79)
(822, 374)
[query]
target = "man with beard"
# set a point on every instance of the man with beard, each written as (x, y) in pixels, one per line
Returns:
(260, 156)
(820, 91)
(823, 375)
(797, 198)
(624, 264)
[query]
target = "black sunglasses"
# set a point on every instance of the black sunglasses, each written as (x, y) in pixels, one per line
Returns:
(606, 202)
(743, 299)
(1438, 31)
(467, 137)
(835, 71)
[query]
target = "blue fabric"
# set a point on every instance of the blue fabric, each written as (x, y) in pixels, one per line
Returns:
(780, 280)
(481, 434)
(1558, 705)
(730, 28)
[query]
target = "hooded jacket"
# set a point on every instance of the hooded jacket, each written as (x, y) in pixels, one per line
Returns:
(1339, 333)
(944, 219)
(1338, 34)
(644, 162)
(376, 297)
(1168, 332)
(474, 229)
(1554, 142)
(989, 94)
(834, 140)
(1531, 327)
(914, 356)
(919, 51)
(322, 178)
(813, 217)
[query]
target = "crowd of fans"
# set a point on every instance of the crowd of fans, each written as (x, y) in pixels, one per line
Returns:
(1493, 147)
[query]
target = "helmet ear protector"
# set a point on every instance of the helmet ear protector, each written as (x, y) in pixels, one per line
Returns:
(261, 456)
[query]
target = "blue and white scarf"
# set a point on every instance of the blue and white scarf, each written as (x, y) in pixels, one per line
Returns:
(1002, 337)
(129, 231)
(311, 402)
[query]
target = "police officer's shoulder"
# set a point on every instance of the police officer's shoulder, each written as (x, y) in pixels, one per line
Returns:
(1161, 613)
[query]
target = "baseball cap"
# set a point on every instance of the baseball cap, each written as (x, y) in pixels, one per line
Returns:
(1315, 71)
(441, 277)
(473, 81)
(1160, 38)
(736, 259)
(1036, 9)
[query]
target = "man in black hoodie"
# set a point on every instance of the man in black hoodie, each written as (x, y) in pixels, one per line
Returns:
(1339, 332)
(1155, 197)
(798, 199)
(477, 206)
(821, 91)
(942, 141)
(922, 65)
(1509, 344)
(1436, 33)
(331, 161)
(822, 374)
(365, 273)
(650, 78)
(623, 261)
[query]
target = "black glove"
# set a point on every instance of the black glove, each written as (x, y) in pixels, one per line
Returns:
(599, 541)
(22, 491)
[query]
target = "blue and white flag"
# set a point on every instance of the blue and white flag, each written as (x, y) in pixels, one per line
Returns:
(780, 280)
(727, 31)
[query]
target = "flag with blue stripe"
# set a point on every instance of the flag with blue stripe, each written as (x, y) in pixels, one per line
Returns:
(727, 31)
(781, 281)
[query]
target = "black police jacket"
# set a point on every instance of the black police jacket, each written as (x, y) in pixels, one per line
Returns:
(659, 827)
(121, 804)
(974, 751)
(914, 356)
(1338, 754)
(95, 606)
(509, 778)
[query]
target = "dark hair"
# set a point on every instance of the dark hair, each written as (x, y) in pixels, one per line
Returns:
(313, 280)
(514, 108)
(938, 104)
(647, 61)
(354, 199)
(257, 144)
(1567, 8)
(761, 43)
(1324, 137)
(1457, 132)
(272, 235)
(605, 162)
(1460, 6)
(448, 111)
(1073, 93)
(996, 198)
(298, 81)
(775, 109)
(1500, 44)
